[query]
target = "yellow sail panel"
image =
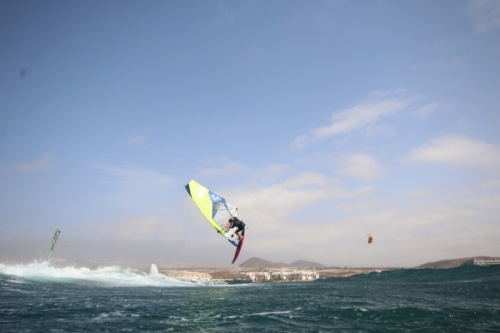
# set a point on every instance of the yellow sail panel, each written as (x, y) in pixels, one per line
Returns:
(202, 199)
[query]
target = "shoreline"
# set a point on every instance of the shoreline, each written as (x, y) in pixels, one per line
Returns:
(249, 274)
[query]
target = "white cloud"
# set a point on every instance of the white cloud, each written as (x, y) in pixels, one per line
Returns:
(135, 189)
(230, 168)
(485, 14)
(145, 227)
(136, 179)
(355, 118)
(427, 110)
(361, 166)
(457, 150)
(420, 194)
(279, 200)
(137, 139)
(300, 142)
(44, 162)
(399, 234)
(269, 174)
(278, 206)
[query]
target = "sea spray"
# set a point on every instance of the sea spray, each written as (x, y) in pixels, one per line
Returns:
(42, 271)
(153, 270)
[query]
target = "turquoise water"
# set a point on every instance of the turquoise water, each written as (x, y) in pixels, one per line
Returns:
(40, 298)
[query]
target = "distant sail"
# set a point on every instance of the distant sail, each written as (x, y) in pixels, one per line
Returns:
(215, 209)
(54, 240)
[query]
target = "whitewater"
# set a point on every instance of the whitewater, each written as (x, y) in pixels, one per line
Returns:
(38, 297)
(41, 271)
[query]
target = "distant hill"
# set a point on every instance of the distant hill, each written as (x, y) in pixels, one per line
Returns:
(306, 264)
(262, 263)
(452, 263)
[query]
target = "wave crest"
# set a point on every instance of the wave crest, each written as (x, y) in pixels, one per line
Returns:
(42, 271)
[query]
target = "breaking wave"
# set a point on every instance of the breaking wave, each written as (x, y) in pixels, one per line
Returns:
(43, 271)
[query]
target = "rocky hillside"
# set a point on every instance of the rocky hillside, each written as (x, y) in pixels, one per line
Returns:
(452, 263)
(255, 262)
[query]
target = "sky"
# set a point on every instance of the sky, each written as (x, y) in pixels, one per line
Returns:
(322, 121)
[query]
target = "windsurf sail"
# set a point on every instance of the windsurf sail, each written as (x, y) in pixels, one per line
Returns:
(54, 240)
(215, 208)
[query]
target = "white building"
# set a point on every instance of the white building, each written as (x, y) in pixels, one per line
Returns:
(283, 275)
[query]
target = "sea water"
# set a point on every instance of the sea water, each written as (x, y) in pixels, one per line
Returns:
(39, 298)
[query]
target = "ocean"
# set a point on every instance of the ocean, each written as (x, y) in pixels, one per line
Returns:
(37, 297)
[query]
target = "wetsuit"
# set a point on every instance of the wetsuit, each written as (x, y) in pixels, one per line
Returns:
(239, 224)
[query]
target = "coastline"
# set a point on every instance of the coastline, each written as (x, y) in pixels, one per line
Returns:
(276, 272)
(245, 274)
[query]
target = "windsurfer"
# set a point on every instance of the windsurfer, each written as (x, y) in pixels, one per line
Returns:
(235, 222)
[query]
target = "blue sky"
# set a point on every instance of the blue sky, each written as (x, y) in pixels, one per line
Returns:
(321, 120)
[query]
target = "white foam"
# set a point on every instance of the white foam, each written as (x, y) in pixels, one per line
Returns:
(108, 275)
(153, 270)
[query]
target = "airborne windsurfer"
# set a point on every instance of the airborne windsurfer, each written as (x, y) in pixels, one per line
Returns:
(235, 222)
(217, 211)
